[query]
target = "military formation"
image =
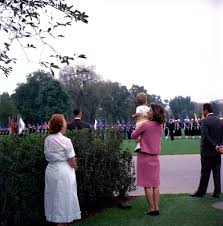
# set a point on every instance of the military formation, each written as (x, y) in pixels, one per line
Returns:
(189, 128)
(174, 128)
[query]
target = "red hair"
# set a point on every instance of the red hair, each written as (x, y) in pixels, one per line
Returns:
(56, 123)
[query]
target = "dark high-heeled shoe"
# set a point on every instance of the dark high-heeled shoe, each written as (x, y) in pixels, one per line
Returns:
(156, 212)
(152, 213)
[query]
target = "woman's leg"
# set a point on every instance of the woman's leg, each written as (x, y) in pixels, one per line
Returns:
(156, 194)
(149, 197)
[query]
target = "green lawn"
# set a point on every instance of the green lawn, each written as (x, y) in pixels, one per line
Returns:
(168, 147)
(176, 210)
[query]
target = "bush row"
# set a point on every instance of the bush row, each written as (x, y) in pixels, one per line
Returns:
(104, 170)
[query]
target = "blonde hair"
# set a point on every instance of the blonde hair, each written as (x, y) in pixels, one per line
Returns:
(141, 98)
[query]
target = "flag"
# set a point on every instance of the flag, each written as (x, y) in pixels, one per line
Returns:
(21, 125)
(95, 124)
(12, 125)
(195, 117)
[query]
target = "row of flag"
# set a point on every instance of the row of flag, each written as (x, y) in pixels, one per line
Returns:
(195, 117)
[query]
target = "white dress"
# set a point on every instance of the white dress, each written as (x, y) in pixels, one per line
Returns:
(60, 196)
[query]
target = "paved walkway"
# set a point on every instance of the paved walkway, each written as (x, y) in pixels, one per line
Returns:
(179, 174)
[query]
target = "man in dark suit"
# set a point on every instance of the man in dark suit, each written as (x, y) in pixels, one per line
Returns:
(172, 129)
(211, 138)
(77, 123)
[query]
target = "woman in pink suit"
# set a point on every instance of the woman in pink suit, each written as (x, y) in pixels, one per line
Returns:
(148, 164)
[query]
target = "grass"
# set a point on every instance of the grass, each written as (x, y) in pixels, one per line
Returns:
(175, 210)
(168, 147)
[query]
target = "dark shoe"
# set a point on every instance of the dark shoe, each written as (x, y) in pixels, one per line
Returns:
(216, 196)
(152, 213)
(196, 194)
(156, 212)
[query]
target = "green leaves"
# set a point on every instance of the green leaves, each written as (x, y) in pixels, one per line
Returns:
(182, 107)
(21, 169)
(7, 107)
(104, 170)
(40, 97)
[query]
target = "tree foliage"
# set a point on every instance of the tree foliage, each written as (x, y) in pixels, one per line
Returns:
(53, 99)
(85, 87)
(78, 87)
(40, 97)
(182, 107)
(114, 107)
(26, 19)
(7, 107)
(155, 98)
(217, 107)
(97, 98)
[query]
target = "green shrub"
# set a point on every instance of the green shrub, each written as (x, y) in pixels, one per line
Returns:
(103, 171)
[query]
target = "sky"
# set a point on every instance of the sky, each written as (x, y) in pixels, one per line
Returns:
(171, 47)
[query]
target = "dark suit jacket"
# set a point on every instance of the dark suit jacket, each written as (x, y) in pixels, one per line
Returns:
(78, 124)
(171, 127)
(211, 135)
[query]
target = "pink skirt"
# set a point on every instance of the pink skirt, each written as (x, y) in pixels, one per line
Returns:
(148, 170)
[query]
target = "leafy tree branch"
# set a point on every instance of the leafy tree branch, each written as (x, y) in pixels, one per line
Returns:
(28, 19)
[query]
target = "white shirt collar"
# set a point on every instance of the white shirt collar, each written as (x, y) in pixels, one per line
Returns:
(210, 114)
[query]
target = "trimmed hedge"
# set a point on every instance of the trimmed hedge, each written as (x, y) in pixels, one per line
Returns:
(103, 171)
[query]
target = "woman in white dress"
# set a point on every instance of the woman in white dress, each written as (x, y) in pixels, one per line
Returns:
(60, 196)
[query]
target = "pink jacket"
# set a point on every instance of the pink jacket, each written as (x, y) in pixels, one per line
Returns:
(150, 133)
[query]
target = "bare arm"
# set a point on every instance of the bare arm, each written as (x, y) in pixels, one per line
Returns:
(72, 162)
(136, 115)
